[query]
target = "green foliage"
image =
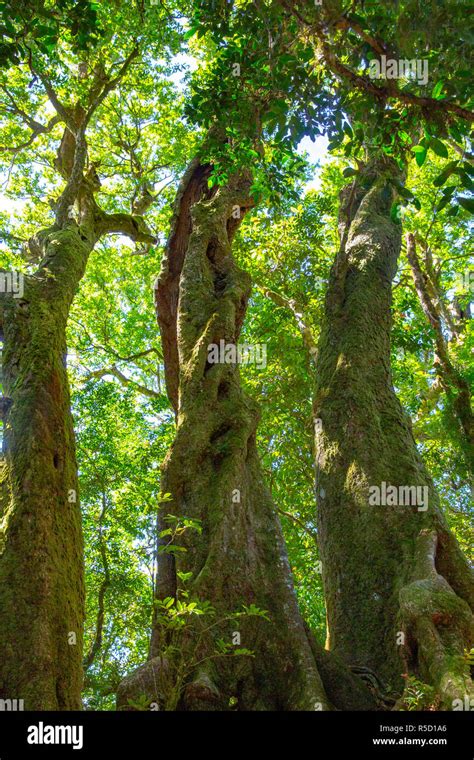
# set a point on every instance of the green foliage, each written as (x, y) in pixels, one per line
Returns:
(40, 24)
(418, 696)
(470, 657)
(190, 628)
(280, 71)
(141, 138)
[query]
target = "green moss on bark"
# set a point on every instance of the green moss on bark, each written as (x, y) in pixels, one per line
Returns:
(41, 563)
(369, 552)
(240, 557)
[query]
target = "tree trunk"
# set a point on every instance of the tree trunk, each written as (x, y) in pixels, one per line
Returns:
(214, 475)
(399, 592)
(41, 553)
(41, 564)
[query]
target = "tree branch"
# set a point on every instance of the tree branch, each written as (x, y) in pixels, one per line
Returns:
(36, 127)
(389, 90)
(61, 109)
(70, 192)
(131, 226)
(448, 374)
(97, 643)
(300, 523)
(296, 310)
(111, 84)
(115, 372)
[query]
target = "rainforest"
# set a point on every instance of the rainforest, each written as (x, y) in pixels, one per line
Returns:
(236, 286)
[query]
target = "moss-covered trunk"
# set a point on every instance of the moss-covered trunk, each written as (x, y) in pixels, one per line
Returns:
(399, 592)
(214, 475)
(41, 564)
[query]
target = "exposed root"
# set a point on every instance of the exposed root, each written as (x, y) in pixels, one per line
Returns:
(439, 627)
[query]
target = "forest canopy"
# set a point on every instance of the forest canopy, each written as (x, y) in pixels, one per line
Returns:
(236, 286)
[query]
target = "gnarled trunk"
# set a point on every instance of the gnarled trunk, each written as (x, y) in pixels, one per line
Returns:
(214, 475)
(41, 563)
(399, 592)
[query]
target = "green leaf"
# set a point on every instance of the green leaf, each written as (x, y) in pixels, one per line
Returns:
(449, 190)
(191, 32)
(467, 204)
(395, 213)
(403, 191)
(447, 171)
(437, 90)
(442, 203)
(438, 147)
(455, 133)
(420, 154)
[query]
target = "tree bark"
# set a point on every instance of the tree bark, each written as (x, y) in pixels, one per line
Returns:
(214, 475)
(388, 570)
(41, 554)
(41, 564)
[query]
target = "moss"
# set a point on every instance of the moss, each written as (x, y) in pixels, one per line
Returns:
(41, 574)
(240, 557)
(369, 553)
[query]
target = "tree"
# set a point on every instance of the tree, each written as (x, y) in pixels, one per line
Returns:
(369, 226)
(213, 472)
(99, 121)
(41, 563)
(414, 597)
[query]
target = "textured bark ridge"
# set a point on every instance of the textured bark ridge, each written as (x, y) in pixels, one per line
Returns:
(387, 569)
(240, 557)
(41, 576)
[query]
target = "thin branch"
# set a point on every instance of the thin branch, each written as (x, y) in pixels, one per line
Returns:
(36, 127)
(450, 377)
(297, 312)
(300, 523)
(97, 642)
(115, 372)
(113, 352)
(61, 109)
(111, 84)
(462, 151)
